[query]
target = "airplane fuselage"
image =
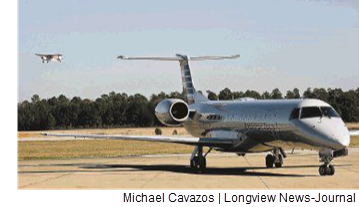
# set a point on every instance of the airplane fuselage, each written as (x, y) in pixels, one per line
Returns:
(261, 125)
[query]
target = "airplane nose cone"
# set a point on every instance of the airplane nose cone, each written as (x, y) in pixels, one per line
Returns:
(341, 135)
(345, 139)
(331, 133)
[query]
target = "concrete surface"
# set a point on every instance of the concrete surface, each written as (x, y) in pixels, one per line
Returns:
(225, 171)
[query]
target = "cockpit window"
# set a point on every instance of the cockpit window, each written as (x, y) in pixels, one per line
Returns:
(329, 112)
(310, 112)
(295, 114)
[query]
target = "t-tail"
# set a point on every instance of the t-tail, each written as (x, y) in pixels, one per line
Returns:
(192, 96)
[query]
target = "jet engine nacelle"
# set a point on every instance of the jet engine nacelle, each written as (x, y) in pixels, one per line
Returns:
(172, 112)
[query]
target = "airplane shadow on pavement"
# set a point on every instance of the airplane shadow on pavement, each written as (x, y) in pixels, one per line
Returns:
(230, 171)
(240, 171)
(183, 169)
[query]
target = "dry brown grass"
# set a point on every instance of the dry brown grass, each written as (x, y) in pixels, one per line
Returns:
(354, 141)
(99, 148)
(352, 126)
(94, 148)
(120, 131)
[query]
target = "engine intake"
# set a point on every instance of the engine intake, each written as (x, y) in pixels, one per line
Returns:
(172, 112)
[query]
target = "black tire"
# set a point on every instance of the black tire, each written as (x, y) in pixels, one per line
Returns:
(323, 170)
(327, 170)
(198, 164)
(331, 170)
(203, 163)
(194, 163)
(269, 161)
(280, 163)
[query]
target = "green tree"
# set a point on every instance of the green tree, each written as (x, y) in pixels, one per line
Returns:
(265, 95)
(276, 94)
(252, 94)
(293, 94)
(225, 94)
(211, 95)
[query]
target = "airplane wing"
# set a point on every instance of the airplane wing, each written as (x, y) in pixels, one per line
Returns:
(208, 142)
(354, 133)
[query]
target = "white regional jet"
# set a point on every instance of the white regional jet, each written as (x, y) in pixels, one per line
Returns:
(245, 125)
(49, 57)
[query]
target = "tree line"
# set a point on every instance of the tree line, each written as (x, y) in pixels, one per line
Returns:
(122, 110)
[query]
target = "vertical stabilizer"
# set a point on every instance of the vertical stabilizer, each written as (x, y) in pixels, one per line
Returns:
(190, 92)
(192, 96)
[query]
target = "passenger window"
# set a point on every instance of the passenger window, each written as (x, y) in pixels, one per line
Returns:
(329, 112)
(214, 117)
(295, 114)
(310, 112)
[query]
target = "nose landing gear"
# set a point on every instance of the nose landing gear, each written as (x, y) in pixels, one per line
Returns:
(326, 170)
(326, 156)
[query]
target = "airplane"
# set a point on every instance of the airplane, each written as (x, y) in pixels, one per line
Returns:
(49, 57)
(245, 125)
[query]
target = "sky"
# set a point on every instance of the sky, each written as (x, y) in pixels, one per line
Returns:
(283, 44)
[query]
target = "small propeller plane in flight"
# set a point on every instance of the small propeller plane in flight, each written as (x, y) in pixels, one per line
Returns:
(245, 125)
(49, 57)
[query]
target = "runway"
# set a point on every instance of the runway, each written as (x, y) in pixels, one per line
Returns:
(225, 171)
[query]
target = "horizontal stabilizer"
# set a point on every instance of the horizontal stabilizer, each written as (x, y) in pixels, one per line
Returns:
(200, 58)
(179, 58)
(122, 57)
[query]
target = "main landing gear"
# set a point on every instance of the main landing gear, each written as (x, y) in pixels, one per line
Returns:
(276, 158)
(198, 160)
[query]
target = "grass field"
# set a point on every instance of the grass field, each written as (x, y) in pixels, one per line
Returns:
(108, 148)
(353, 126)
(98, 148)
(122, 131)
(94, 148)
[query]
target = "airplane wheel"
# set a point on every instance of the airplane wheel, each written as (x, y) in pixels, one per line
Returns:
(326, 170)
(280, 163)
(202, 163)
(198, 164)
(331, 170)
(269, 161)
(323, 170)
(194, 163)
